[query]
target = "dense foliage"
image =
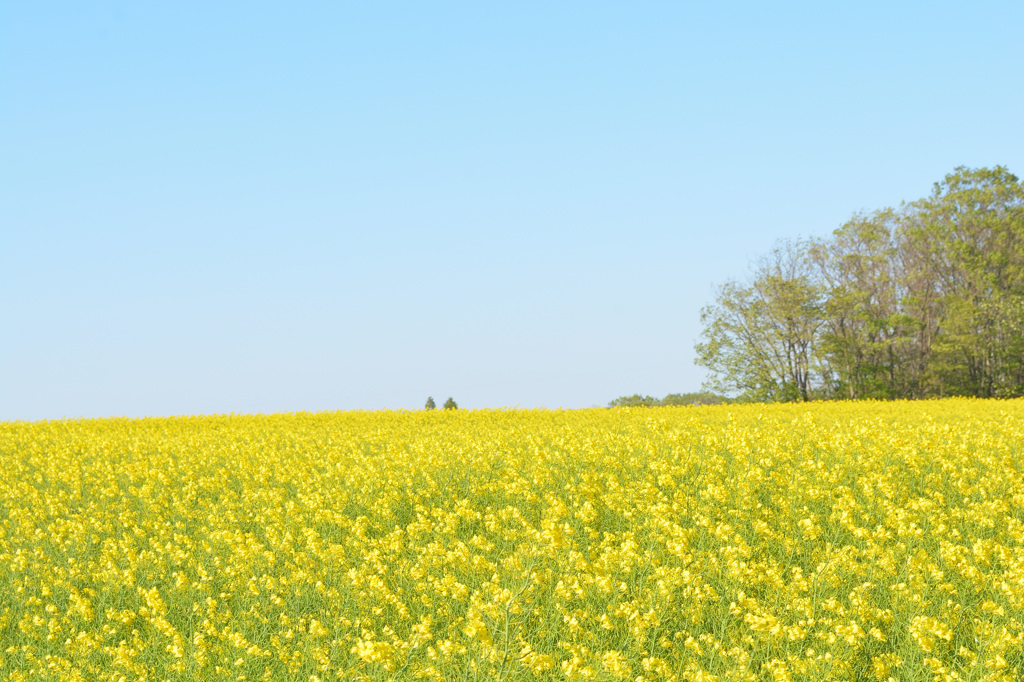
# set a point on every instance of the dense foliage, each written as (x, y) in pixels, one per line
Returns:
(922, 301)
(838, 541)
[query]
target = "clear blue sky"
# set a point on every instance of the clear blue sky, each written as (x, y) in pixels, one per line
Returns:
(242, 207)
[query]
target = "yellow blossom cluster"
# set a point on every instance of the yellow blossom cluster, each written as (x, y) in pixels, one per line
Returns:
(833, 541)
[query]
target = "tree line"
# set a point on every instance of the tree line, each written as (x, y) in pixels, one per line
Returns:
(700, 398)
(925, 300)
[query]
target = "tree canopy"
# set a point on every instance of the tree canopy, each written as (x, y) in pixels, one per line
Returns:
(926, 300)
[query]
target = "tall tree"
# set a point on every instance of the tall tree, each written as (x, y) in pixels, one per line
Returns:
(970, 232)
(865, 338)
(759, 339)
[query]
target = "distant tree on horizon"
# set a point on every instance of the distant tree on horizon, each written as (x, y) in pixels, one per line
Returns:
(635, 400)
(450, 404)
(699, 398)
(431, 405)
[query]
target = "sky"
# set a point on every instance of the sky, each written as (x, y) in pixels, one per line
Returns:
(265, 207)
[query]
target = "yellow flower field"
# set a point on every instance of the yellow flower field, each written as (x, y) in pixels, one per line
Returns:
(846, 541)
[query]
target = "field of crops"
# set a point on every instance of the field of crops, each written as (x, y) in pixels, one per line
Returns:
(848, 541)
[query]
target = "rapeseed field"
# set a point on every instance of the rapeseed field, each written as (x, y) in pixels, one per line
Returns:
(833, 541)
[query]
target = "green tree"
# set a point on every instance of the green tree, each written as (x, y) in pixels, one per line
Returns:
(759, 339)
(867, 340)
(970, 234)
(922, 301)
(700, 398)
(635, 400)
(450, 404)
(431, 405)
